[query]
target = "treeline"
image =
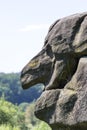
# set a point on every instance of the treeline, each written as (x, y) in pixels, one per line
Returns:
(10, 86)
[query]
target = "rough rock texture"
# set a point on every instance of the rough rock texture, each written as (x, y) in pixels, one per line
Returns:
(67, 106)
(62, 67)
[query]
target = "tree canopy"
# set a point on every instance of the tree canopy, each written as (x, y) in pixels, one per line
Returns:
(10, 86)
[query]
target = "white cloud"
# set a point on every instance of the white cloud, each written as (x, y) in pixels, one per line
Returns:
(34, 27)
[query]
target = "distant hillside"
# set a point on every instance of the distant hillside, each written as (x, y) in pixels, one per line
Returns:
(10, 87)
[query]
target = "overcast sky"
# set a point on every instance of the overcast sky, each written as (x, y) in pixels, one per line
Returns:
(24, 25)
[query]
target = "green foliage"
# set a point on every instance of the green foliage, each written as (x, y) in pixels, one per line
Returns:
(10, 114)
(14, 117)
(21, 117)
(7, 112)
(41, 126)
(9, 127)
(10, 85)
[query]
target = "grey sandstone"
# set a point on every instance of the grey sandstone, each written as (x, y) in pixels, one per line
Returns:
(61, 66)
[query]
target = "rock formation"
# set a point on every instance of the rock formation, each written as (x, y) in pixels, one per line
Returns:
(62, 67)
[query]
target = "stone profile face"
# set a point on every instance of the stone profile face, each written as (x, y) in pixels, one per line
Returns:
(61, 66)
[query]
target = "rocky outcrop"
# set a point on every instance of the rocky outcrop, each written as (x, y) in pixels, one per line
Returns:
(67, 107)
(62, 67)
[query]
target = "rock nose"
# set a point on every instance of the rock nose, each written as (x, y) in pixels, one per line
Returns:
(37, 70)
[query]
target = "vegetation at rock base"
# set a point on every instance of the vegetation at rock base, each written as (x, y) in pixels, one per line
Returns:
(17, 113)
(13, 117)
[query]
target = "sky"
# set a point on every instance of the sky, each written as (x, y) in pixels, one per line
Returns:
(24, 25)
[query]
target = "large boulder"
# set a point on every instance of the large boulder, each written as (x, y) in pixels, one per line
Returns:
(62, 67)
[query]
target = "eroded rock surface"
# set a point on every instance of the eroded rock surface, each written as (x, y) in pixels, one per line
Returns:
(62, 67)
